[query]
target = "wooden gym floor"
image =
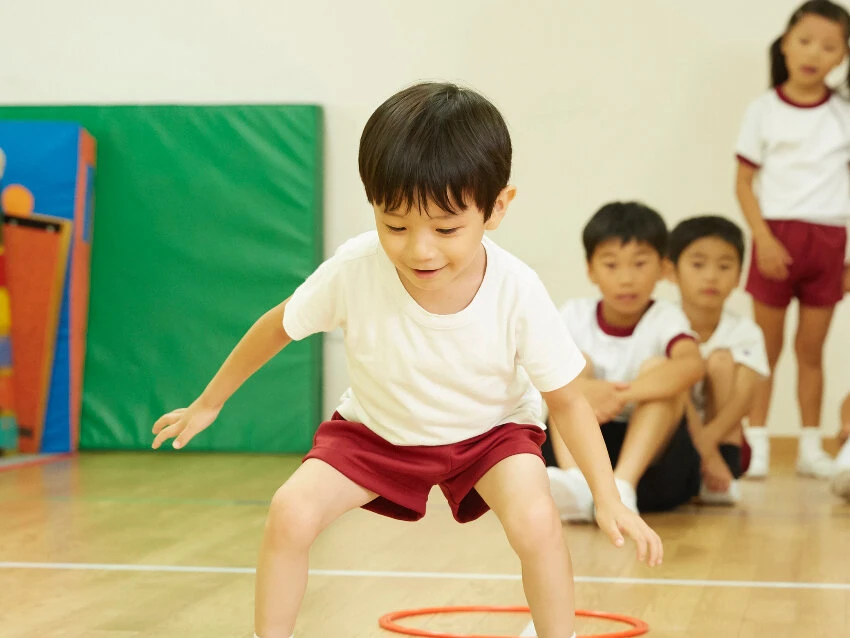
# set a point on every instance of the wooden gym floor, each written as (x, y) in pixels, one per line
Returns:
(124, 545)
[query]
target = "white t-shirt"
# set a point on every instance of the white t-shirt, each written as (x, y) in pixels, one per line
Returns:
(744, 340)
(423, 379)
(617, 354)
(802, 153)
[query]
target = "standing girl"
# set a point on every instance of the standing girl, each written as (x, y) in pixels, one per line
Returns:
(796, 140)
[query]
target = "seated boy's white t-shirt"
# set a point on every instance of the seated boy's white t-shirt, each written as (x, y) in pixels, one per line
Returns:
(744, 341)
(423, 379)
(617, 354)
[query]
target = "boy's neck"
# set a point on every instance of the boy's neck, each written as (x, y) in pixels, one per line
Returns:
(618, 320)
(704, 321)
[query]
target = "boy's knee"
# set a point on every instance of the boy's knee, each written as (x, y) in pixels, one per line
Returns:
(292, 519)
(719, 362)
(532, 525)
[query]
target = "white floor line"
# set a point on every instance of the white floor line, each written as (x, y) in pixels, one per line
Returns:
(357, 573)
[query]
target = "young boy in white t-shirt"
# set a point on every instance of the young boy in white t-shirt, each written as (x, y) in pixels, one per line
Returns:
(707, 254)
(446, 336)
(642, 361)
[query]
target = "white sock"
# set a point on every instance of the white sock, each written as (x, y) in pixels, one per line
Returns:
(756, 435)
(843, 459)
(810, 442)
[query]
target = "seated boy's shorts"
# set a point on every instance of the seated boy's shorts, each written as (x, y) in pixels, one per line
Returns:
(673, 480)
(402, 476)
(816, 275)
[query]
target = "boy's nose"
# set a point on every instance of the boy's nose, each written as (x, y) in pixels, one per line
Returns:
(420, 249)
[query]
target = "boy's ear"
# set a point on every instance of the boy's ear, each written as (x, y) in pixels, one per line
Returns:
(500, 208)
(590, 274)
(668, 271)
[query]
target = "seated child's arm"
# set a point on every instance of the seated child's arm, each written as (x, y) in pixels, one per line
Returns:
(263, 341)
(572, 415)
(683, 368)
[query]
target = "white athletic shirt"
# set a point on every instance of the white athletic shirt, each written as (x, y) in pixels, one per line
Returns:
(423, 379)
(616, 353)
(802, 153)
(744, 340)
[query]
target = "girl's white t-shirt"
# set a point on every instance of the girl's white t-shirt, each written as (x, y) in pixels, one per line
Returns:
(803, 157)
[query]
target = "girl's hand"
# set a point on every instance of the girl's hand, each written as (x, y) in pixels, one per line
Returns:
(184, 424)
(846, 277)
(772, 259)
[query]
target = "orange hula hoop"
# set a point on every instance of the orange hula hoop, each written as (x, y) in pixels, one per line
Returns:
(388, 621)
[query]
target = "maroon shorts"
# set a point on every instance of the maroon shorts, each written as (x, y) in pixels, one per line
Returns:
(815, 277)
(402, 476)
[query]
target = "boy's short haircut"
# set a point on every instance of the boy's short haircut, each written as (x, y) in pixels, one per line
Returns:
(626, 221)
(435, 142)
(695, 228)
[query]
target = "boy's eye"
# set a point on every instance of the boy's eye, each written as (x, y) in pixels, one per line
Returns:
(395, 229)
(697, 265)
(640, 264)
(447, 231)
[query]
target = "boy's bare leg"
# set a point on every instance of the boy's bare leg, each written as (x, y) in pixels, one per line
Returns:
(517, 490)
(813, 328)
(650, 429)
(313, 497)
(720, 376)
(720, 373)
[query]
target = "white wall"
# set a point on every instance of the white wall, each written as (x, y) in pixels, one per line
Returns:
(606, 100)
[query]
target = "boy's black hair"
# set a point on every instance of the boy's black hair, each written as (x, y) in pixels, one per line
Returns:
(626, 221)
(437, 142)
(823, 8)
(690, 230)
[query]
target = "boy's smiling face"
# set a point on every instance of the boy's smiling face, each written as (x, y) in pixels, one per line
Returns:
(437, 251)
(626, 274)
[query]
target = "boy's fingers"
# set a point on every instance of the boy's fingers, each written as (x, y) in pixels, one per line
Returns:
(616, 535)
(168, 419)
(165, 434)
(183, 439)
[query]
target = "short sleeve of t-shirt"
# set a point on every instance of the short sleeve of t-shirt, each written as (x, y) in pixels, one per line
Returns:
(672, 326)
(745, 343)
(544, 344)
(318, 304)
(750, 146)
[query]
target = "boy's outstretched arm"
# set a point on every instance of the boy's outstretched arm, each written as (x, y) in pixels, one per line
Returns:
(682, 369)
(573, 417)
(262, 342)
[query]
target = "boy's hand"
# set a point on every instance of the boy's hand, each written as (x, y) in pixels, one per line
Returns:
(715, 473)
(846, 277)
(615, 519)
(605, 398)
(772, 258)
(184, 424)
(844, 433)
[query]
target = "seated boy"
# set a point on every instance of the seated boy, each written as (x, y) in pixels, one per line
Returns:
(707, 254)
(642, 361)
